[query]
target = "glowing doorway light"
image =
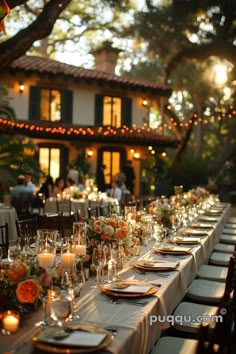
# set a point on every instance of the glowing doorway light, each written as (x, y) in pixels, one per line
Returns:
(220, 72)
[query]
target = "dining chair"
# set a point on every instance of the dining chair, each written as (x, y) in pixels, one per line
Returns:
(23, 205)
(205, 300)
(26, 230)
(51, 221)
(64, 206)
(105, 210)
(93, 211)
(4, 239)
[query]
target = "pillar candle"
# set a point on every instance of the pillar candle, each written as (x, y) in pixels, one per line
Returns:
(46, 259)
(67, 260)
(80, 250)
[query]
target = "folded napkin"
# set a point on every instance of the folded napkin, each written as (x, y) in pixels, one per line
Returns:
(173, 250)
(156, 264)
(187, 240)
(201, 226)
(136, 288)
(76, 338)
(193, 232)
(207, 218)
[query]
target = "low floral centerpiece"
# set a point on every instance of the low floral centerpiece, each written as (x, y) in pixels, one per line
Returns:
(106, 229)
(163, 212)
(22, 282)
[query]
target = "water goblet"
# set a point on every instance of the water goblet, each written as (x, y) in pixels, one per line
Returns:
(61, 307)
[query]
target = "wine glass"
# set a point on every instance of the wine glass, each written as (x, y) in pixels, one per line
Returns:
(98, 262)
(61, 307)
(14, 251)
(74, 292)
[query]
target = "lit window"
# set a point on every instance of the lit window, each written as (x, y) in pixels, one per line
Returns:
(112, 111)
(112, 161)
(49, 161)
(50, 105)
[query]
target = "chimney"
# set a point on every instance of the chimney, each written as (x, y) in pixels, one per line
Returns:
(106, 57)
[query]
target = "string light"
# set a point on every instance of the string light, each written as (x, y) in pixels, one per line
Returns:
(124, 130)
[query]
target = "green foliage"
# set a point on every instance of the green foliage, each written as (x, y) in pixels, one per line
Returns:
(17, 155)
(189, 172)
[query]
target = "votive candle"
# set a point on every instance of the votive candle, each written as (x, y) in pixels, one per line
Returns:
(10, 321)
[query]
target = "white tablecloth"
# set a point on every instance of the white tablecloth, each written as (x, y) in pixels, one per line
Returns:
(135, 332)
(78, 204)
(8, 214)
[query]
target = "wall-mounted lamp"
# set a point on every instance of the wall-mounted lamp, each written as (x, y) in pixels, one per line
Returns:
(137, 155)
(90, 153)
(21, 87)
(145, 102)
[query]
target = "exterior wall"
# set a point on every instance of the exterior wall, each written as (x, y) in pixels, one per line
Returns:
(83, 98)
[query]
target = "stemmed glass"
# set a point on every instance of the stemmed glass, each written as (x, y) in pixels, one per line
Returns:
(98, 261)
(75, 290)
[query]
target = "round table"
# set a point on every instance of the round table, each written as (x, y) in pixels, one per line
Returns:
(8, 214)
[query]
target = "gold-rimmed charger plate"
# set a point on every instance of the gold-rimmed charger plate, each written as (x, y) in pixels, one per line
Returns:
(194, 232)
(156, 266)
(113, 290)
(186, 241)
(177, 251)
(201, 226)
(56, 347)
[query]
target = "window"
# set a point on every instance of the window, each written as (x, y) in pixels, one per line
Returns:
(112, 111)
(112, 161)
(49, 161)
(52, 105)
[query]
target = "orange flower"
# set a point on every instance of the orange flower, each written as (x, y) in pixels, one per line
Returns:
(17, 271)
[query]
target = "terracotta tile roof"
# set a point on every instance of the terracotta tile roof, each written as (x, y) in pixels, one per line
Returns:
(45, 66)
(135, 136)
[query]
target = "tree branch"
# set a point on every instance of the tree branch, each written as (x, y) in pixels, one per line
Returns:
(217, 48)
(40, 28)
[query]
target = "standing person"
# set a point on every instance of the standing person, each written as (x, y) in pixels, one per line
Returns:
(130, 176)
(100, 178)
(72, 173)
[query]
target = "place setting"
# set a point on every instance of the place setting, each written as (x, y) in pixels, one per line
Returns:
(155, 265)
(128, 289)
(194, 232)
(72, 338)
(173, 250)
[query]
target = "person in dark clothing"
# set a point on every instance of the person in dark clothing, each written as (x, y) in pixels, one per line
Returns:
(46, 187)
(130, 176)
(100, 178)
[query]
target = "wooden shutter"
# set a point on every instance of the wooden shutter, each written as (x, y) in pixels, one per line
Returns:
(66, 106)
(98, 110)
(126, 111)
(34, 103)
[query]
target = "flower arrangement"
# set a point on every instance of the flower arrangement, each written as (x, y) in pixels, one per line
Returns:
(163, 212)
(22, 282)
(111, 228)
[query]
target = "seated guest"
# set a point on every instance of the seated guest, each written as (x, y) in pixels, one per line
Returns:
(47, 187)
(28, 183)
(58, 187)
(116, 191)
(21, 197)
(20, 187)
(71, 187)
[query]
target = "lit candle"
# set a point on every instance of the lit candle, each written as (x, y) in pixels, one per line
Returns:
(46, 259)
(67, 260)
(80, 250)
(10, 321)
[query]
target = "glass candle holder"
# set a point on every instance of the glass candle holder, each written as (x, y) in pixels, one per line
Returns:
(10, 322)
(79, 238)
(46, 243)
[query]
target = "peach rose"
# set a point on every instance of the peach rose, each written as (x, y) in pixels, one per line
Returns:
(121, 233)
(17, 271)
(105, 236)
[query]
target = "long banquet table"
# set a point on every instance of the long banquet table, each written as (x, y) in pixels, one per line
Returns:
(135, 332)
